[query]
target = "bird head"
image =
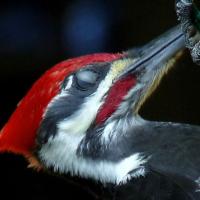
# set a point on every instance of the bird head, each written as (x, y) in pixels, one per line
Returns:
(81, 106)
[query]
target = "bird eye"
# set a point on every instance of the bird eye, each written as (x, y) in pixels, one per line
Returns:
(85, 79)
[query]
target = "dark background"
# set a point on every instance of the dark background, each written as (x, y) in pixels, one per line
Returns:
(35, 35)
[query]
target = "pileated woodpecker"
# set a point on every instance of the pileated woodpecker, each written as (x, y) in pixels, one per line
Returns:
(82, 117)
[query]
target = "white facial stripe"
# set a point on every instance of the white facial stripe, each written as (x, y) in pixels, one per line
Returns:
(60, 153)
(69, 83)
(81, 120)
(93, 102)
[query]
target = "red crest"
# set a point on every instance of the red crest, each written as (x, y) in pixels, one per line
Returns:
(18, 134)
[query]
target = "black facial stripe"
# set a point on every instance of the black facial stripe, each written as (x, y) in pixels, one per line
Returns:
(61, 109)
(67, 105)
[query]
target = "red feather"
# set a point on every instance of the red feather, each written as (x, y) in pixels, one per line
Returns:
(115, 97)
(18, 135)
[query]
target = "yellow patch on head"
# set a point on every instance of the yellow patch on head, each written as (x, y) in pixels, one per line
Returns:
(119, 65)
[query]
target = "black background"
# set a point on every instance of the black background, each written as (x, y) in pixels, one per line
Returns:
(33, 37)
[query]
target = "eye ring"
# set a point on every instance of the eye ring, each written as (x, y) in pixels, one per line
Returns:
(86, 79)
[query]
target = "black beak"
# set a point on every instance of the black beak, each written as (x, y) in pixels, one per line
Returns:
(157, 52)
